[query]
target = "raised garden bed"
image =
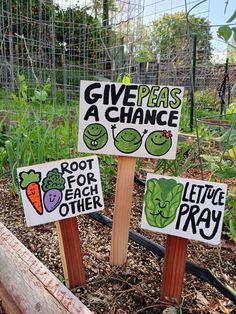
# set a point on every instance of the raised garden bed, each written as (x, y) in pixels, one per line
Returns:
(27, 286)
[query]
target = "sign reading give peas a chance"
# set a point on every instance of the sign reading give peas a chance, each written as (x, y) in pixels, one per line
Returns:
(130, 120)
(187, 208)
(60, 189)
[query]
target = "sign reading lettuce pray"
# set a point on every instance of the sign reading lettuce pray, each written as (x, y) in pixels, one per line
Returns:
(187, 208)
(60, 189)
(130, 120)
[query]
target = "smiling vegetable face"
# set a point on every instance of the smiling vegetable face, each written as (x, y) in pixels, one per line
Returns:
(95, 136)
(162, 198)
(128, 140)
(158, 143)
(52, 198)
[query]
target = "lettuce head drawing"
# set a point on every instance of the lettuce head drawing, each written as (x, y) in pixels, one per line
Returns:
(162, 198)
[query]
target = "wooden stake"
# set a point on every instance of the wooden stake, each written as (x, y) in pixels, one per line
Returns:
(70, 250)
(122, 210)
(173, 270)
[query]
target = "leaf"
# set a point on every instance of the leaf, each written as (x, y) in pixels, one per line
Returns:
(124, 78)
(201, 299)
(226, 173)
(233, 17)
(21, 77)
(234, 33)
(232, 152)
(232, 228)
(40, 95)
(224, 32)
(14, 97)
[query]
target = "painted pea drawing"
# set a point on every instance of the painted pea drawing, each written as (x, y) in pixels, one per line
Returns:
(52, 186)
(127, 140)
(95, 136)
(158, 143)
(162, 198)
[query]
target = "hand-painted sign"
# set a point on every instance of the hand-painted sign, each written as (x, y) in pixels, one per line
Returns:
(187, 208)
(129, 120)
(60, 189)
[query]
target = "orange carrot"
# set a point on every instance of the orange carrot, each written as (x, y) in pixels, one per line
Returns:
(34, 196)
(29, 181)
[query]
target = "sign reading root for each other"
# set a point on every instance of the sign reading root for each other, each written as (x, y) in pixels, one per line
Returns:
(187, 208)
(60, 189)
(129, 120)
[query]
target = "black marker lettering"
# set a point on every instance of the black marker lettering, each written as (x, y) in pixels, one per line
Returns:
(96, 202)
(115, 96)
(63, 209)
(108, 116)
(125, 115)
(194, 209)
(64, 167)
(173, 116)
(128, 95)
(70, 180)
(92, 112)
(90, 177)
(92, 98)
(216, 219)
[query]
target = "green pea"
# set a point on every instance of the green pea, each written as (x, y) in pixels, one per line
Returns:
(157, 144)
(128, 140)
(95, 136)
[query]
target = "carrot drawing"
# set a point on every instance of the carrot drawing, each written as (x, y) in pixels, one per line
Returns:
(29, 181)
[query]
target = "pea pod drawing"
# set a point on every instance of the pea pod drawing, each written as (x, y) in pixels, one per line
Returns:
(52, 186)
(162, 198)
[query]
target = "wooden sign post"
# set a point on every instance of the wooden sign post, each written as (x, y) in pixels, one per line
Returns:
(59, 191)
(183, 209)
(173, 270)
(122, 210)
(70, 251)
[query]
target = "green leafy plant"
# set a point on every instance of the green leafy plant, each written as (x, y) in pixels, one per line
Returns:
(41, 93)
(185, 159)
(233, 90)
(3, 158)
(204, 99)
(124, 78)
(108, 165)
(22, 97)
(230, 215)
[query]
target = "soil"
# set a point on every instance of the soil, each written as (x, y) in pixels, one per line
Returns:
(134, 287)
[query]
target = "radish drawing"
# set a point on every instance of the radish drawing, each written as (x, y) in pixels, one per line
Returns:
(52, 186)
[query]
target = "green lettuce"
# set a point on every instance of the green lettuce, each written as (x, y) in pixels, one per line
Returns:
(162, 198)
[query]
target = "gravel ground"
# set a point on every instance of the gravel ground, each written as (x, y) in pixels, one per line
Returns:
(134, 287)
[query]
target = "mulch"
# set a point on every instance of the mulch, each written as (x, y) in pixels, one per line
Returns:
(135, 286)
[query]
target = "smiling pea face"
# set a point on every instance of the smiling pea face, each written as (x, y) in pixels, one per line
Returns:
(95, 136)
(162, 198)
(158, 143)
(128, 140)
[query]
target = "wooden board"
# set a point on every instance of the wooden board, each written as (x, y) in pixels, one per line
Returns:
(32, 286)
(7, 302)
(122, 210)
(173, 270)
(70, 250)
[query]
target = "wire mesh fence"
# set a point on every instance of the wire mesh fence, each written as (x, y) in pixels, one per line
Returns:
(47, 47)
